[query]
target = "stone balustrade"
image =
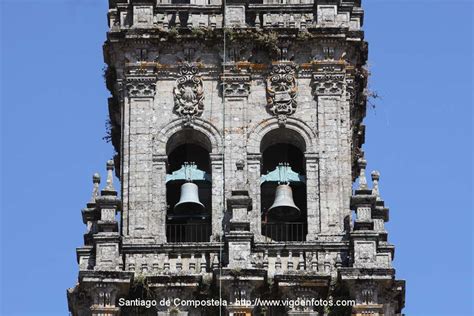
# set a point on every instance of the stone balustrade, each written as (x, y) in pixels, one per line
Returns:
(204, 261)
(185, 261)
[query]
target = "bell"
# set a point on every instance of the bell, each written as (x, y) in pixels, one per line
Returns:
(284, 206)
(189, 200)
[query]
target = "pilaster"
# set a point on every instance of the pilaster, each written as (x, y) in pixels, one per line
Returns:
(328, 82)
(313, 196)
(140, 84)
(160, 206)
(253, 174)
(217, 168)
(235, 81)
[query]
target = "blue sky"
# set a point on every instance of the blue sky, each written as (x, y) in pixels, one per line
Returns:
(419, 137)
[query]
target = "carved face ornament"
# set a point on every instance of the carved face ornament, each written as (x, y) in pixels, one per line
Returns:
(282, 91)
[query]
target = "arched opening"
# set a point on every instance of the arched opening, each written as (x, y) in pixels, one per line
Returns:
(188, 187)
(283, 186)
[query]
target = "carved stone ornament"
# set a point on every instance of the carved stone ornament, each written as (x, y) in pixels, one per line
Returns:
(282, 91)
(328, 81)
(141, 88)
(189, 94)
(141, 82)
(367, 293)
(365, 254)
(235, 85)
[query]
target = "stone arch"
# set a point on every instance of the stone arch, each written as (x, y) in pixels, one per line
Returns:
(282, 135)
(256, 135)
(212, 140)
(188, 136)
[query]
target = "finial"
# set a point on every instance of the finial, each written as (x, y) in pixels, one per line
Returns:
(95, 188)
(362, 180)
(110, 176)
(96, 178)
(375, 179)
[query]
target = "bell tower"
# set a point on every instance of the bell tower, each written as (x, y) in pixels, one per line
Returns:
(238, 132)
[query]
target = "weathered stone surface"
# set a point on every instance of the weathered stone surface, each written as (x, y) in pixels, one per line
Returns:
(223, 87)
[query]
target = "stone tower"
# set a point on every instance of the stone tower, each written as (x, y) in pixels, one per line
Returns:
(238, 131)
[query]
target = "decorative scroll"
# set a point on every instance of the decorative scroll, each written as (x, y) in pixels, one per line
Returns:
(282, 91)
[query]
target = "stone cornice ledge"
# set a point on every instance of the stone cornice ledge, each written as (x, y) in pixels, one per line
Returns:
(163, 248)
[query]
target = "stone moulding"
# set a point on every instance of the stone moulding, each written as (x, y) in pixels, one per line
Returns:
(256, 134)
(164, 133)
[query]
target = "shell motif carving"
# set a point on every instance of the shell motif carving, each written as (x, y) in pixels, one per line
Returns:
(189, 93)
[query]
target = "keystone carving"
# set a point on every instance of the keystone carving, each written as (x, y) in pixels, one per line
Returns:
(189, 94)
(282, 91)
